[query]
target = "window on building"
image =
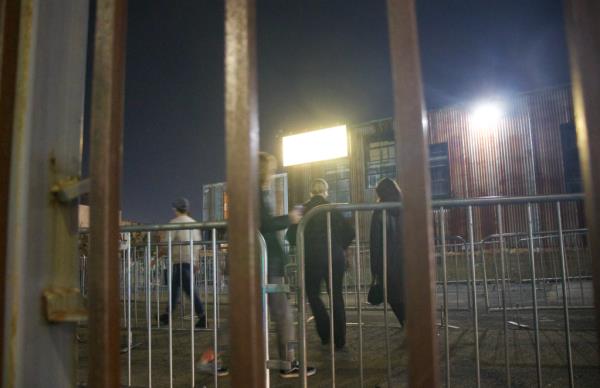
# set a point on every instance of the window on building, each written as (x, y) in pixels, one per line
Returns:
(568, 139)
(337, 175)
(381, 162)
(439, 168)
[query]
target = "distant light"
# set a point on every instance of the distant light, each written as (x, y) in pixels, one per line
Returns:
(486, 115)
(314, 146)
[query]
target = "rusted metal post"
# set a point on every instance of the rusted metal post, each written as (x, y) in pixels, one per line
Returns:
(241, 122)
(583, 34)
(410, 132)
(9, 43)
(105, 174)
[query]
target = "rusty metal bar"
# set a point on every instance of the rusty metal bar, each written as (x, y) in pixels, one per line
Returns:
(9, 43)
(242, 137)
(105, 173)
(411, 150)
(583, 35)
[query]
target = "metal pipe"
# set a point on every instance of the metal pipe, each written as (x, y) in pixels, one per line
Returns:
(149, 309)
(170, 285)
(192, 308)
(445, 290)
(358, 302)
(565, 300)
(485, 279)
(536, 321)
(157, 286)
(105, 171)
(385, 298)
(504, 312)
(475, 317)
(215, 313)
(331, 307)
(129, 336)
(265, 317)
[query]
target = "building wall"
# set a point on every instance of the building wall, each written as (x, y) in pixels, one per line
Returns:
(522, 156)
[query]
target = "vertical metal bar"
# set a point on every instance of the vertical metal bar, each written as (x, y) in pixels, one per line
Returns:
(565, 300)
(301, 304)
(192, 308)
(385, 299)
(445, 280)
(149, 307)
(205, 266)
(358, 302)
(485, 279)
(129, 336)
(157, 285)
(536, 321)
(265, 317)
(123, 285)
(412, 158)
(242, 138)
(504, 311)
(105, 171)
(583, 36)
(474, 293)
(170, 291)
(181, 298)
(331, 318)
(215, 311)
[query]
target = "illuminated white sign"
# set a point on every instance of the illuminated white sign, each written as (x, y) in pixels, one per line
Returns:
(314, 146)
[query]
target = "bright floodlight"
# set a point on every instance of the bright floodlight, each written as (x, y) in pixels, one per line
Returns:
(486, 115)
(323, 144)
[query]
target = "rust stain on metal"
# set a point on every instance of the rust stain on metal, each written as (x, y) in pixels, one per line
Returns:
(64, 304)
(413, 174)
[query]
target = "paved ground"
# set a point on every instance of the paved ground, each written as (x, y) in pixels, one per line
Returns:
(462, 353)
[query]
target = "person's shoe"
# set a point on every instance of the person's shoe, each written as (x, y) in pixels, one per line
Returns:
(164, 319)
(201, 324)
(209, 368)
(294, 371)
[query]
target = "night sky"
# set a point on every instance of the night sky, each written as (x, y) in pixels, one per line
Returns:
(320, 63)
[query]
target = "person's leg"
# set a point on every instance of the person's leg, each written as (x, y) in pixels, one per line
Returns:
(281, 314)
(313, 290)
(398, 309)
(339, 310)
(175, 286)
(187, 282)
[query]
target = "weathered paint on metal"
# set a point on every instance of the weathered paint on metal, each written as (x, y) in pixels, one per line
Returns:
(242, 139)
(583, 32)
(413, 173)
(105, 172)
(45, 149)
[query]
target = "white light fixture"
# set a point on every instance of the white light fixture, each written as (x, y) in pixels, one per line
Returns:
(486, 115)
(314, 146)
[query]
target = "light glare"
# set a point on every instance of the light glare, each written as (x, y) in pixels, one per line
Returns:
(314, 146)
(486, 115)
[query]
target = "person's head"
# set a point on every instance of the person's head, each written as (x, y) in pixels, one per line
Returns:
(319, 187)
(181, 206)
(387, 190)
(267, 166)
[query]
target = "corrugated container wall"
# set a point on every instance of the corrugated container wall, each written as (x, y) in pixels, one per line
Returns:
(521, 155)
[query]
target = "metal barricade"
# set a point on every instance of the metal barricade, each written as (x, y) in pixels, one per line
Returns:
(502, 275)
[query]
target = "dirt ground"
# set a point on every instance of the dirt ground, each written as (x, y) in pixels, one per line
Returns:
(347, 365)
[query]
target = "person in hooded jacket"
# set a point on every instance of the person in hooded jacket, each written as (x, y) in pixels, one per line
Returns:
(316, 263)
(388, 191)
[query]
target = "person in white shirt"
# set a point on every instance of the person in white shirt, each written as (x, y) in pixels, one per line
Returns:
(180, 258)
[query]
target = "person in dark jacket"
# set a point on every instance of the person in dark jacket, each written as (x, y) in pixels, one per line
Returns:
(277, 259)
(388, 191)
(316, 264)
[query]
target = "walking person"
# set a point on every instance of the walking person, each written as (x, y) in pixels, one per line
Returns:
(317, 267)
(388, 191)
(279, 307)
(180, 259)
(182, 277)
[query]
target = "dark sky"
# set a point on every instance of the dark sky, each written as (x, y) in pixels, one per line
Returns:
(319, 63)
